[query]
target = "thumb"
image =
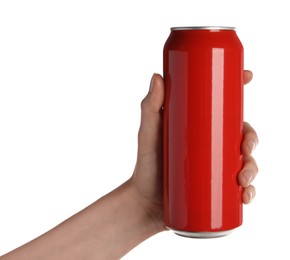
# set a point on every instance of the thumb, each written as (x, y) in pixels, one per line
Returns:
(150, 132)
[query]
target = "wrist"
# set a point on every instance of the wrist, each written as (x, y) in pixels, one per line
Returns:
(129, 220)
(150, 212)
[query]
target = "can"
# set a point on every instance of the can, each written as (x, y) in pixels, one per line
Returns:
(202, 131)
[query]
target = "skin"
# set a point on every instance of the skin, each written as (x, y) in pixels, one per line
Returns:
(119, 221)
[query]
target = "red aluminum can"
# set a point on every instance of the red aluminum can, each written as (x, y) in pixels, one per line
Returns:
(202, 120)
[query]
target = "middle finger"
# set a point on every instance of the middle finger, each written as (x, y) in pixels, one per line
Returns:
(248, 172)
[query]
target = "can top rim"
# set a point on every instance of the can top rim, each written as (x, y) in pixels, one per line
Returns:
(182, 28)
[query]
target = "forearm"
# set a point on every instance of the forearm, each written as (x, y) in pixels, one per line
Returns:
(107, 229)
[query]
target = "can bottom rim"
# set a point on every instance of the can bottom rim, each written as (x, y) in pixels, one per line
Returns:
(202, 234)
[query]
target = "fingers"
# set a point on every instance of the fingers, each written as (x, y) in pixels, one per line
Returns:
(249, 194)
(248, 75)
(250, 139)
(245, 178)
(250, 168)
(248, 172)
(149, 139)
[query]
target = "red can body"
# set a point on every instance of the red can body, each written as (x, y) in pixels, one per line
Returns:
(202, 131)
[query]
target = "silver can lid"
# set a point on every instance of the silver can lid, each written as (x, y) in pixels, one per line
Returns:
(215, 28)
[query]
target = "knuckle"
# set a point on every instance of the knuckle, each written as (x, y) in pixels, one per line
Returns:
(143, 104)
(250, 162)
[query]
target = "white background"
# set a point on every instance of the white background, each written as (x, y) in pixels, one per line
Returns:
(72, 75)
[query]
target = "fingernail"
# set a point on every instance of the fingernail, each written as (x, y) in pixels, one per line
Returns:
(248, 175)
(251, 145)
(152, 83)
(251, 195)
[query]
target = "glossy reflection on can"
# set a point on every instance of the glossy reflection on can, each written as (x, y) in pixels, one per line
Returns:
(202, 129)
